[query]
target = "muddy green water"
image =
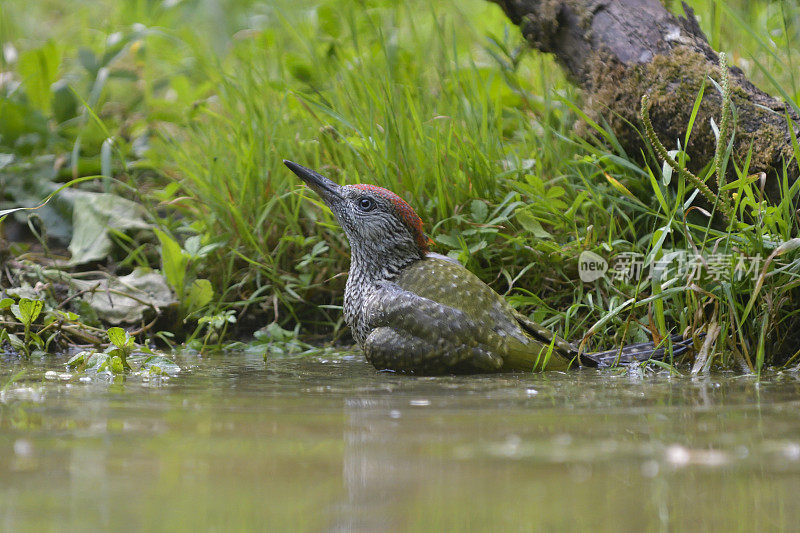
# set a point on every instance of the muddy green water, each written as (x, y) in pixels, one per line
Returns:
(316, 444)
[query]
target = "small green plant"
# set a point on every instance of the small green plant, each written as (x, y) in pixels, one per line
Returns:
(180, 266)
(123, 347)
(277, 341)
(216, 325)
(35, 326)
(121, 356)
(26, 312)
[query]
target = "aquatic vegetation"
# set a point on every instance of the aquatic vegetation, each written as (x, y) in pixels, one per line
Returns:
(123, 355)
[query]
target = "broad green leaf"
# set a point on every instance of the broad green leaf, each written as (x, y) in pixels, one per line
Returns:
(160, 364)
(16, 342)
(27, 311)
(65, 106)
(96, 361)
(531, 224)
(38, 69)
(192, 245)
(328, 19)
(173, 262)
(479, 210)
(199, 294)
(78, 359)
(37, 340)
(117, 336)
(17, 313)
(21, 124)
(116, 365)
(448, 240)
(480, 245)
(33, 308)
(5, 303)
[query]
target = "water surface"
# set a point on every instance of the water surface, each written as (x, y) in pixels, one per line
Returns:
(328, 444)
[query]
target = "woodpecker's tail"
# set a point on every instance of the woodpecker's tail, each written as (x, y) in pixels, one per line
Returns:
(636, 353)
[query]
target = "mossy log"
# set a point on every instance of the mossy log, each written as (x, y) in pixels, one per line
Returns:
(618, 50)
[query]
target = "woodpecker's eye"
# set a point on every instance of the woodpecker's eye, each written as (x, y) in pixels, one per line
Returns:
(366, 203)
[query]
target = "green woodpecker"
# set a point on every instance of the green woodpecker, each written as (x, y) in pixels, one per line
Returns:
(414, 311)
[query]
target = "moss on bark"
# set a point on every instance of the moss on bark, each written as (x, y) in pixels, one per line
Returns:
(618, 50)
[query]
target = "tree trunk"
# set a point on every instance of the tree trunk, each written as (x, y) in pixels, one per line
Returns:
(618, 50)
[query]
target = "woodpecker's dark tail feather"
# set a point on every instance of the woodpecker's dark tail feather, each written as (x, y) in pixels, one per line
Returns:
(636, 353)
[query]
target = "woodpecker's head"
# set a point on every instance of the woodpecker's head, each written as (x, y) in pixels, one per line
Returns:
(379, 224)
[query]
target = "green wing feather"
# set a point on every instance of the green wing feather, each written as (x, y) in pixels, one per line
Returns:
(521, 343)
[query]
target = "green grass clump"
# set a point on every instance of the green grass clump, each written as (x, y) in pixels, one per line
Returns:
(349, 96)
(191, 111)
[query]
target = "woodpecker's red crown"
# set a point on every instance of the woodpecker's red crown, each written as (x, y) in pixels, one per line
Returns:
(404, 211)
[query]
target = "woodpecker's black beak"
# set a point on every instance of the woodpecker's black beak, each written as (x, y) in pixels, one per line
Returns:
(328, 190)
